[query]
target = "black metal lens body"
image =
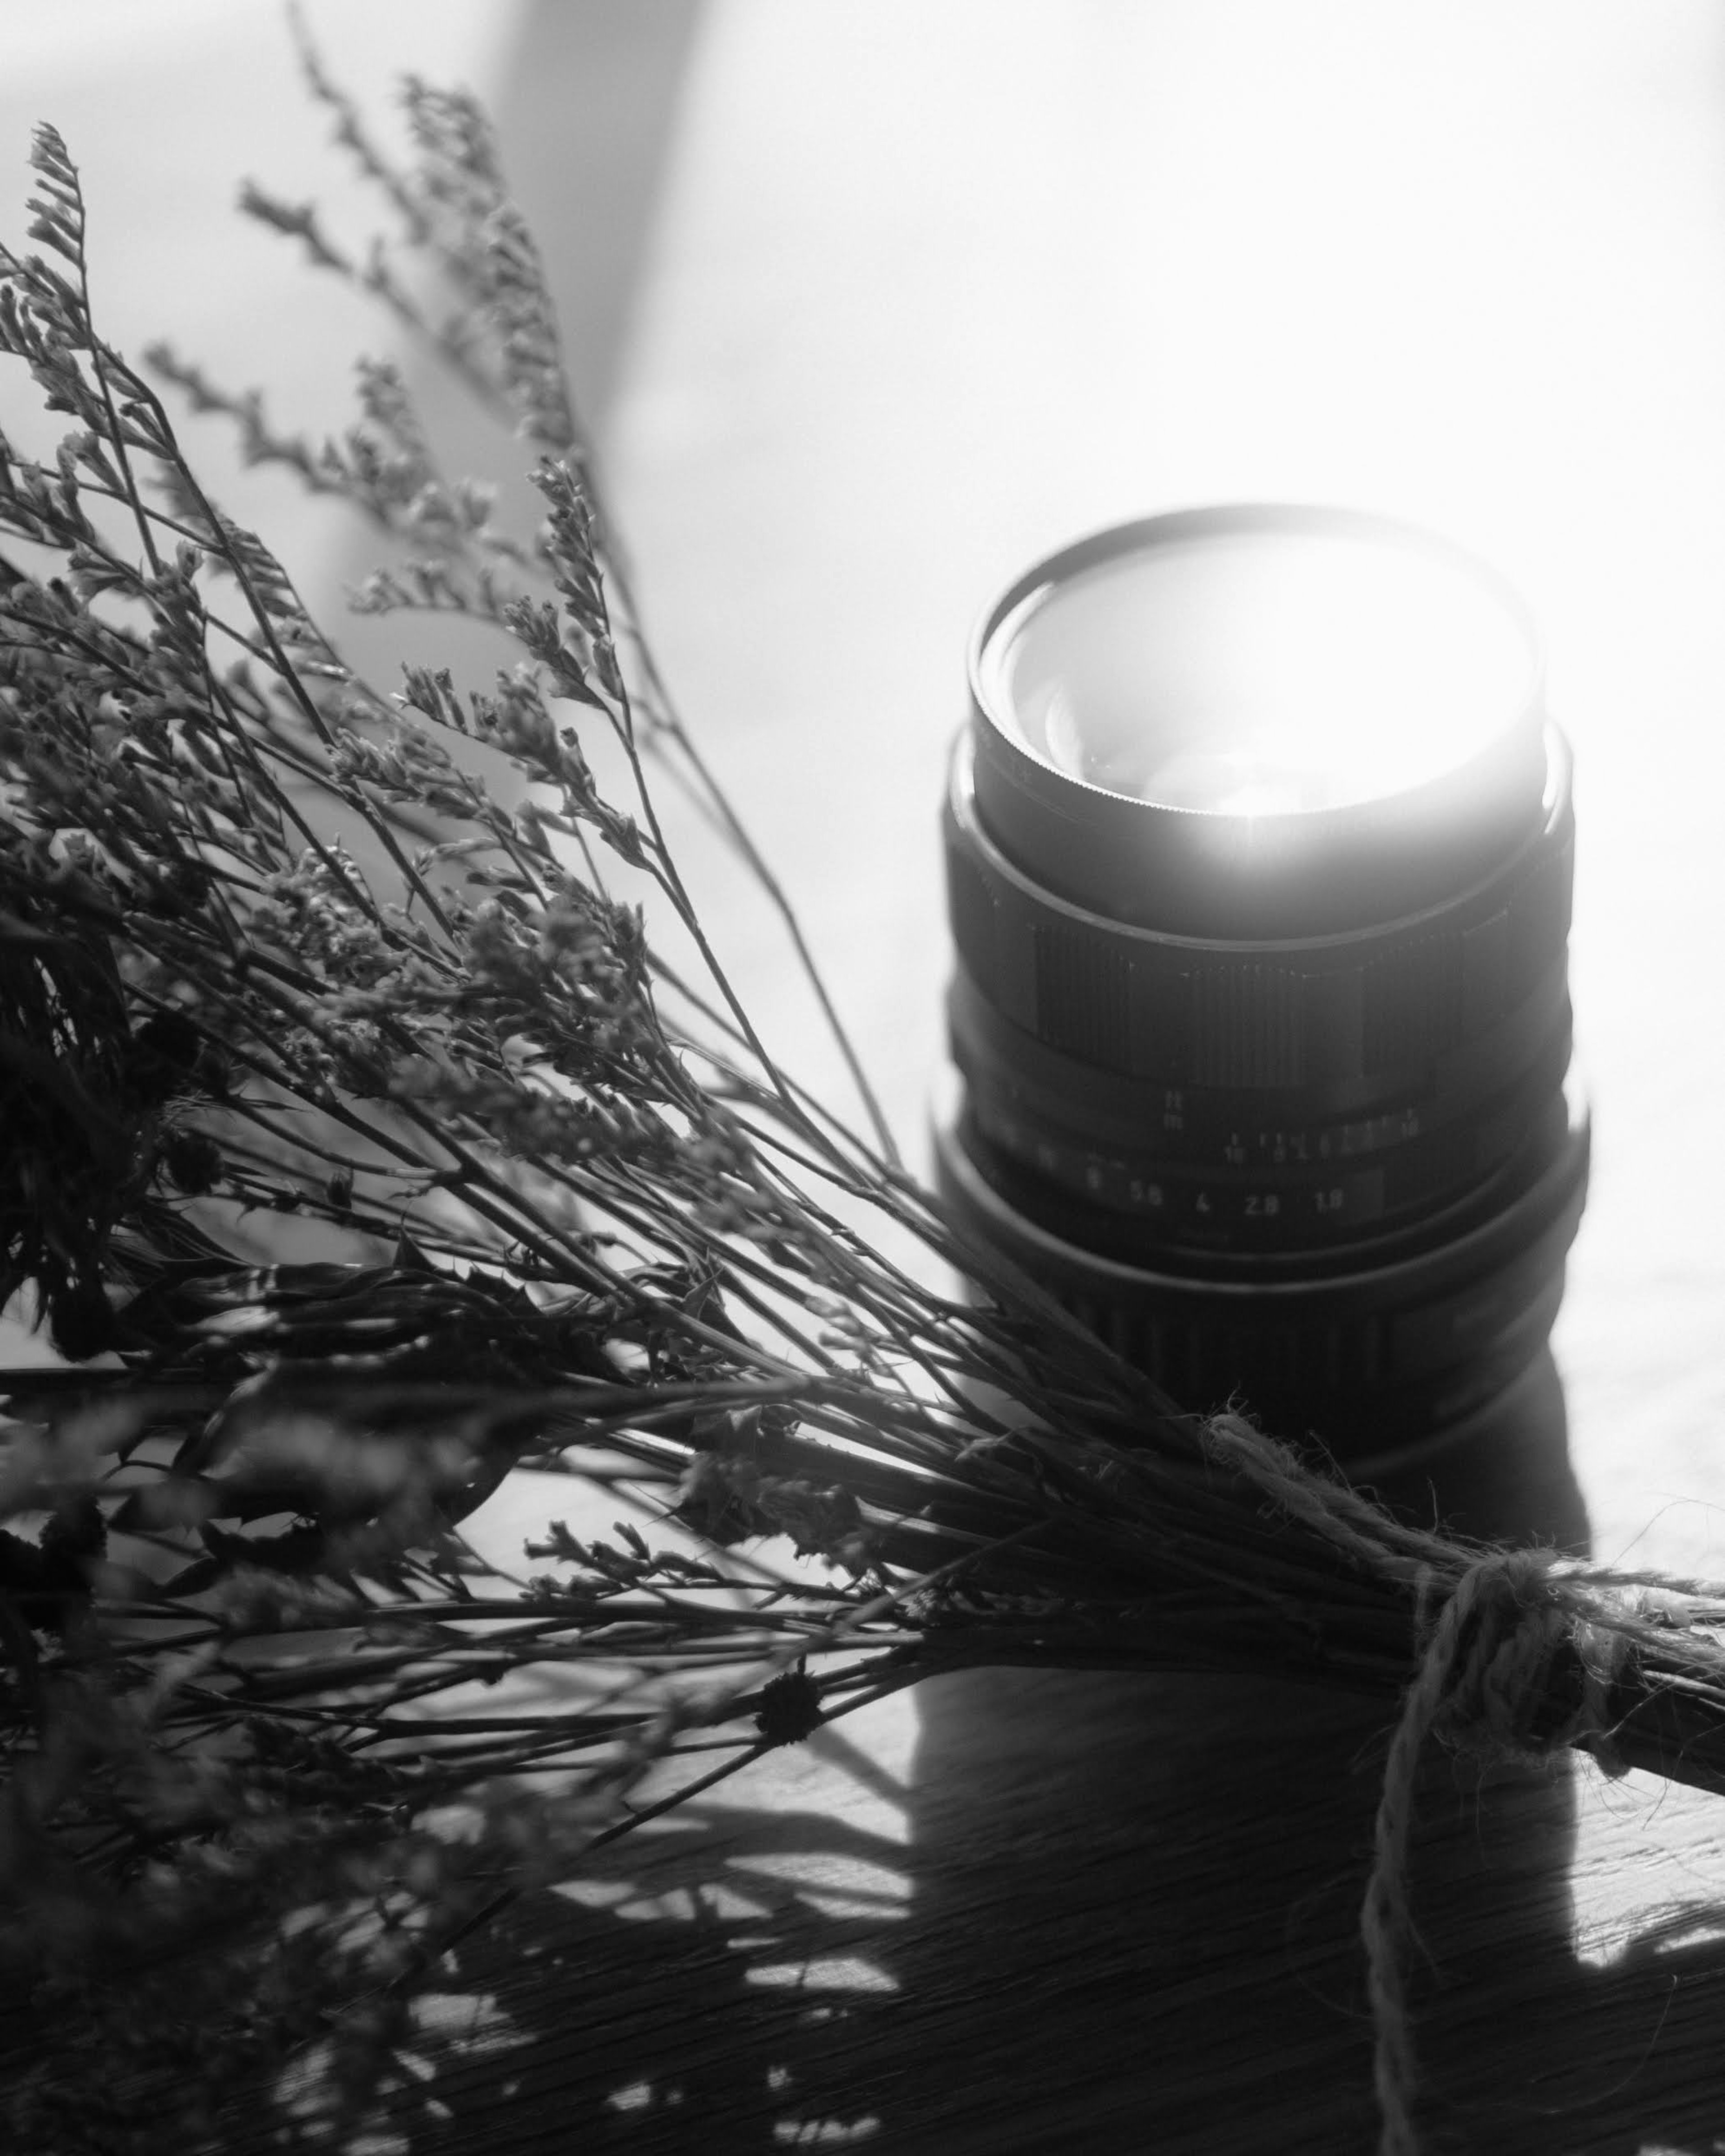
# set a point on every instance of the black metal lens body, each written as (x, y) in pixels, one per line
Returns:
(1272, 1096)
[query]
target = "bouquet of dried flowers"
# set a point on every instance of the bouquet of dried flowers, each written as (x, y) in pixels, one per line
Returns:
(418, 967)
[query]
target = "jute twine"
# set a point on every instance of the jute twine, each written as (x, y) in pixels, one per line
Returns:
(1486, 1639)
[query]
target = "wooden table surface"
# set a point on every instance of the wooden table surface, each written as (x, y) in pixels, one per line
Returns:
(907, 292)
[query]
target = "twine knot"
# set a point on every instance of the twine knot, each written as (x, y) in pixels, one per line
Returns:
(1486, 1639)
(1482, 1682)
(1484, 1663)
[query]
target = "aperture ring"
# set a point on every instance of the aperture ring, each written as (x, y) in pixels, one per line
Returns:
(1361, 1356)
(1319, 1013)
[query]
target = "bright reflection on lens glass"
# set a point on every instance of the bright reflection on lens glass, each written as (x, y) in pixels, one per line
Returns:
(1270, 672)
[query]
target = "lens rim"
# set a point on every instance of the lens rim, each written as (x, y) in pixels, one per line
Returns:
(1210, 873)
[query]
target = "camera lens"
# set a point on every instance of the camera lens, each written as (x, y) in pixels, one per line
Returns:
(1259, 851)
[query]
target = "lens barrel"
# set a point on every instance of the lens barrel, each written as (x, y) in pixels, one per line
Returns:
(1272, 1091)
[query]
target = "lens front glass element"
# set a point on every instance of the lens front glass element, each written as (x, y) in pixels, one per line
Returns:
(1263, 672)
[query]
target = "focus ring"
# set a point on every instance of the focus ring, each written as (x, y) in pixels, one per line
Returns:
(1180, 1012)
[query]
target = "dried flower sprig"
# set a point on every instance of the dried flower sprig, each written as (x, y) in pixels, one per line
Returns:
(269, 945)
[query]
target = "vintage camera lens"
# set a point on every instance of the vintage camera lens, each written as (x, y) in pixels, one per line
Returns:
(1259, 847)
